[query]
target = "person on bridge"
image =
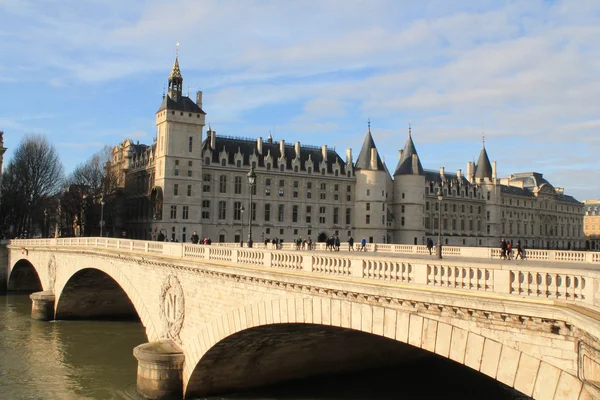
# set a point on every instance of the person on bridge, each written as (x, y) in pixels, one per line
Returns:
(195, 237)
(363, 244)
(519, 250)
(503, 248)
(429, 245)
(351, 244)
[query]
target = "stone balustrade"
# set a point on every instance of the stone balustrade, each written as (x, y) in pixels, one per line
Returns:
(571, 281)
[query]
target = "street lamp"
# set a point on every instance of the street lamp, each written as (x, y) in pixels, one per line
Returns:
(242, 219)
(440, 197)
(101, 214)
(45, 233)
(251, 182)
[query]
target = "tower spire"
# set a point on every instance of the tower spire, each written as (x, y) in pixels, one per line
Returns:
(175, 78)
(369, 123)
(409, 128)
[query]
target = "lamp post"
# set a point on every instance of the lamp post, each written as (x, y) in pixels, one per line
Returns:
(45, 233)
(440, 197)
(242, 219)
(251, 182)
(101, 215)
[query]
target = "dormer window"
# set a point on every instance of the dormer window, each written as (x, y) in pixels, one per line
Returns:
(268, 167)
(207, 161)
(309, 170)
(323, 171)
(238, 163)
(281, 167)
(223, 162)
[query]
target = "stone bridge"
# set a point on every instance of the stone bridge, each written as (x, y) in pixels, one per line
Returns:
(224, 318)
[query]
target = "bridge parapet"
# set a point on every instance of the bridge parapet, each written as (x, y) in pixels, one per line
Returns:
(571, 282)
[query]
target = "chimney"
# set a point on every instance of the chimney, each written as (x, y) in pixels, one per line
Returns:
(199, 98)
(348, 156)
(259, 145)
(494, 177)
(297, 149)
(324, 152)
(442, 172)
(400, 154)
(282, 147)
(469, 171)
(213, 139)
(459, 174)
(373, 158)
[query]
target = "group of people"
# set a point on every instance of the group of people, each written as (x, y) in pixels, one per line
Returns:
(276, 243)
(506, 250)
(196, 239)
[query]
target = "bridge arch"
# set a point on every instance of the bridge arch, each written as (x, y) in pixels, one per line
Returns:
(93, 294)
(24, 277)
(250, 327)
(76, 288)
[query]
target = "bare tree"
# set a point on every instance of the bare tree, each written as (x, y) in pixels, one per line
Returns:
(85, 189)
(32, 178)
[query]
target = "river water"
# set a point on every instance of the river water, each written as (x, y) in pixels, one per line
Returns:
(81, 360)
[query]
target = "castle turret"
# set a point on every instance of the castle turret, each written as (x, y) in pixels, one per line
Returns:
(373, 191)
(409, 193)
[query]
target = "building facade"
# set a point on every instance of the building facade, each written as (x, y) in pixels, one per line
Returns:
(591, 224)
(187, 181)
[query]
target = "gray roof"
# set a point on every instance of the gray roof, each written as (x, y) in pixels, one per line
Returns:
(405, 165)
(483, 169)
(364, 157)
(248, 147)
(530, 179)
(184, 104)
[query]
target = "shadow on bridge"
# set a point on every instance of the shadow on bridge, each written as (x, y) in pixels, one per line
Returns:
(290, 352)
(92, 294)
(24, 278)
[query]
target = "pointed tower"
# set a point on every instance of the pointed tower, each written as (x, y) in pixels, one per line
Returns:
(409, 195)
(178, 168)
(483, 168)
(484, 175)
(372, 194)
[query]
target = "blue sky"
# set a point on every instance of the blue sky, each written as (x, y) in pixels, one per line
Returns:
(524, 73)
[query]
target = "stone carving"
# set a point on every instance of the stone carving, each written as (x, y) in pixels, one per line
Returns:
(51, 272)
(172, 308)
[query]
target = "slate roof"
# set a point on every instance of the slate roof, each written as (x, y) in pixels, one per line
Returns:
(405, 165)
(184, 104)
(248, 146)
(364, 157)
(432, 175)
(530, 179)
(483, 169)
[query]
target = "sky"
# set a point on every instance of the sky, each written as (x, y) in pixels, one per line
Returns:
(524, 75)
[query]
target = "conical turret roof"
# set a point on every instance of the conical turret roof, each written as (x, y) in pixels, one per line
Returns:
(405, 165)
(483, 169)
(364, 157)
(175, 71)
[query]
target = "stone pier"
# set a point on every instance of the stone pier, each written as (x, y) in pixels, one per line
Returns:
(42, 305)
(160, 367)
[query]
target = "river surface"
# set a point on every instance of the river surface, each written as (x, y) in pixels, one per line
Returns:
(80, 360)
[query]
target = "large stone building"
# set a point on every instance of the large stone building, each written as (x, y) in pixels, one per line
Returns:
(591, 224)
(184, 182)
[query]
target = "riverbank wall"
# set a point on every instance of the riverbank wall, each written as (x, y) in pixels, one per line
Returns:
(3, 268)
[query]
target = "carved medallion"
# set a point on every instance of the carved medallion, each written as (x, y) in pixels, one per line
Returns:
(172, 308)
(51, 272)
